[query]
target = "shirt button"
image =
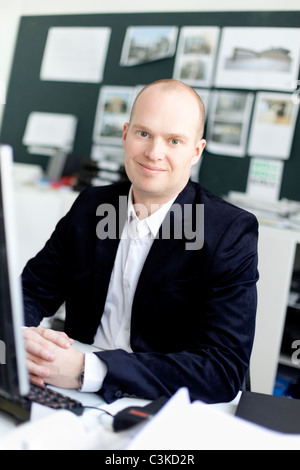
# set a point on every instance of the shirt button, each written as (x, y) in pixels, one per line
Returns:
(118, 394)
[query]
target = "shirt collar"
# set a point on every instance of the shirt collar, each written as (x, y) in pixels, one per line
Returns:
(151, 223)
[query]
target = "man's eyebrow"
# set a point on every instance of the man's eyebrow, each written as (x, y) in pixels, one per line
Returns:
(178, 136)
(171, 135)
(140, 126)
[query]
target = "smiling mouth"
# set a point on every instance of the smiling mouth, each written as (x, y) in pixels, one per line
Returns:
(151, 169)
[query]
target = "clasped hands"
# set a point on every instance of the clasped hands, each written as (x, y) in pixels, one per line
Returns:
(51, 358)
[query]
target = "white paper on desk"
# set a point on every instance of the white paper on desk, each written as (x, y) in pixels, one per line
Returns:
(50, 130)
(75, 54)
(196, 426)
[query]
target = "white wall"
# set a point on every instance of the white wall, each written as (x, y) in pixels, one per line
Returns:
(32, 7)
(12, 10)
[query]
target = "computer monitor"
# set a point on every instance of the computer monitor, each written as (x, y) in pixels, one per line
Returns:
(13, 373)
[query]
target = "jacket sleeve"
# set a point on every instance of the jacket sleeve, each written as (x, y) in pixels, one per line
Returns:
(213, 366)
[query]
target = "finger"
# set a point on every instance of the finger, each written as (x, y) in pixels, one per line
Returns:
(37, 370)
(39, 336)
(36, 380)
(39, 350)
(57, 337)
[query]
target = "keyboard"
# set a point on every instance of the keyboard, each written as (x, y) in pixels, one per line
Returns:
(20, 407)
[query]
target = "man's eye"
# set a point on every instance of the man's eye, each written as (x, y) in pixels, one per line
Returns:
(175, 142)
(143, 133)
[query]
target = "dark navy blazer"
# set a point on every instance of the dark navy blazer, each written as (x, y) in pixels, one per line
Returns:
(193, 314)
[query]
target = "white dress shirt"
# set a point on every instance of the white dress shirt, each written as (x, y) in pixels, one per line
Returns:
(114, 329)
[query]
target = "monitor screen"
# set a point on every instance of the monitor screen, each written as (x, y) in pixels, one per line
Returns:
(13, 374)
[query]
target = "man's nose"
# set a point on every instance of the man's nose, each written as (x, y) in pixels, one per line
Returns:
(155, 150)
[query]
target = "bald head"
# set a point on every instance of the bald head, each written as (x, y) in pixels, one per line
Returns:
(168, 85)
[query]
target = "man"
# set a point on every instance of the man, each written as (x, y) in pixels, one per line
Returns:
(170, 305)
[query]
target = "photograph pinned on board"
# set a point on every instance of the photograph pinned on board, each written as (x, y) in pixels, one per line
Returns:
(195, 56)
(113, 110)
(258, 58)
(228, 122)
(144, 44)
(273, 125)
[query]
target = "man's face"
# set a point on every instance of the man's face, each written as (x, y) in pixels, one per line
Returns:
(161, 143)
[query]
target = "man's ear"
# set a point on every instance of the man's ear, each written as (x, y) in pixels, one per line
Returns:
(125, 132)
(198, 151)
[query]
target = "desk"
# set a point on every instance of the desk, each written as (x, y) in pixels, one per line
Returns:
(65, 431)
(92, 430)
(180, 426)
